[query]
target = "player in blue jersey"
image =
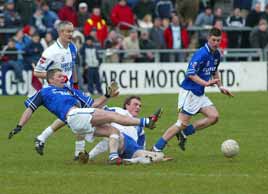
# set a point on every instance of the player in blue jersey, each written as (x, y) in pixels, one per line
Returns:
(202, 72)
(61, 54)
(67, 104)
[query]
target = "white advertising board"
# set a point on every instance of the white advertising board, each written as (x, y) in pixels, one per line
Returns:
(150, 78)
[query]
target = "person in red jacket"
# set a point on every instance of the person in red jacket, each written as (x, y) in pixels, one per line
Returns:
(176, 37)
(122, 13)
(68, 13)
(96, 22)
(224, 37)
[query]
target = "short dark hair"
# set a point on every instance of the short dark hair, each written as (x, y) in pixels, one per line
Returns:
(51, 73)
(215, 32)
(128, 100)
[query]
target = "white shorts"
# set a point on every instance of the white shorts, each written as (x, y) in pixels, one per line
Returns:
(190, 103)
(79, 120)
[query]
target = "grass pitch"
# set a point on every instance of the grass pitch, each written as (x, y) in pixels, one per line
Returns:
(201, 169)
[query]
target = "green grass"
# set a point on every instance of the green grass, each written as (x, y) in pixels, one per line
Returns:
(201, 169)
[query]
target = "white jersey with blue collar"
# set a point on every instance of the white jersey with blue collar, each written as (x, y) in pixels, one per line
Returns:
(59, 100)
(56, 56)
(204, 63)
(135, 132)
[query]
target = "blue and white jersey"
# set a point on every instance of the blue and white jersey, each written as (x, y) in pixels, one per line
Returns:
(135, 132)
(204, 63)
(56, 56)
(59, 100)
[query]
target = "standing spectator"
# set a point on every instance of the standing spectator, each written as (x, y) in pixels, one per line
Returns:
(254, 16)
(146, 44)
(265, 13)
(2, 35)
(26, 9)
(237, 21)
(176, 37)
(83, 14)
(49, 16)
(143, 8)
(259, 35)
(12, 17)
(33, 51)
(92, 62)
(112, 44)
(204, 19)
(95, 21)
(12, 59)
(131, 42)
(38, 22)
(263, 3)
(219, 16)
(106, 7)
(47, 40)
(157, 36)
(68, 13)
(122, 13)
(163, 8)
(146, 22)
(224, 38)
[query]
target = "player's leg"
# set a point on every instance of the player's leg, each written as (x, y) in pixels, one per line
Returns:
(181, 124)
(80, 145)
(153, 156)
(101, 147)
(41, 139)
(211, 117)
(101, 117)
(106, 130)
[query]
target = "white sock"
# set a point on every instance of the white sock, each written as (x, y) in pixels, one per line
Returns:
(45, 134)
(79, 147)
(101, 147)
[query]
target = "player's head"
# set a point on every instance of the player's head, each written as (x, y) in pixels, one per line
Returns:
(214, 38)
(65, 31)
(56, 77)
(133, 105)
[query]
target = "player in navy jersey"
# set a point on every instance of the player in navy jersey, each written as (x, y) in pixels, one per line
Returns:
(69, 104)
(202, 72)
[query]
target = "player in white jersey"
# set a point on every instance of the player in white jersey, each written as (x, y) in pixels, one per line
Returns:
(132, 138)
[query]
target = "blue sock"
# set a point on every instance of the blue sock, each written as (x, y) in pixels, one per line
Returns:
(189, 130)
(160, 144)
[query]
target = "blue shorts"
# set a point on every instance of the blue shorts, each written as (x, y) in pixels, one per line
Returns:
(130, 147)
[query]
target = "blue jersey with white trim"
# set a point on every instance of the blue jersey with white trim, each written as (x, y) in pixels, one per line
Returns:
(59, 100)
(204, 63)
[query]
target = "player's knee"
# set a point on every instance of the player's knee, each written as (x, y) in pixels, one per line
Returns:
(181, 124)
(214, 119)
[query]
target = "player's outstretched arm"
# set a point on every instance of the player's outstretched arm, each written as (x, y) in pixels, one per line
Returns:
(25, 117)
(111, 91)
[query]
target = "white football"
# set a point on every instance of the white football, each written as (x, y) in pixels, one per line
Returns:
(230, 148)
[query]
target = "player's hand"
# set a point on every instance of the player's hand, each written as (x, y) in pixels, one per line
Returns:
(76, 86)
(225, 91)
(212, 82)
(112, 90)
(14, 131)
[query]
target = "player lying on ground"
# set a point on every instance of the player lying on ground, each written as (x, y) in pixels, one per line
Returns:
(66, 104)
(202, 72)
(132, 138)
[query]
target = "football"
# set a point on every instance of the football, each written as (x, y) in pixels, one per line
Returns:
(230, 148)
